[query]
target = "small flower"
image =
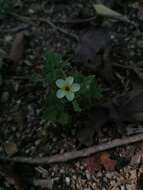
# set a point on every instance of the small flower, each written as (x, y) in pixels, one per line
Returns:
(67, 88)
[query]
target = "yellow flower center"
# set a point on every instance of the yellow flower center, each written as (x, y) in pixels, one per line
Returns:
(67, 88)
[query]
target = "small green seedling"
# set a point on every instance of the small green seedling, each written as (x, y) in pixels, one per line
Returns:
(68, 90)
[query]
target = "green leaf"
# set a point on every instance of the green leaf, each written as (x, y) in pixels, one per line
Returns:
(53, 67)
(55, 111)
(57, 116)
(89, 87)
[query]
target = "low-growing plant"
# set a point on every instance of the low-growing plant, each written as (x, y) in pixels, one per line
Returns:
(69, 91)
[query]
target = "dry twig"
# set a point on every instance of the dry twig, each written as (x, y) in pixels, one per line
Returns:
(77, 21)
(47, 21)
(78, 153)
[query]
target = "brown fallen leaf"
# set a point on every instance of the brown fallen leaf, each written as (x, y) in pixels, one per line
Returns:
(93, 50)
(18, 47)
(91, 42)
(98, 161)
(10, 148)
(93, 163)
(107, 162)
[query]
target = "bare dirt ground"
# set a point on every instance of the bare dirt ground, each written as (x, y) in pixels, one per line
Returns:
(71, 28)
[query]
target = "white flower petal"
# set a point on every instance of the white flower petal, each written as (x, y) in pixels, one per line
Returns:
(69, 96)
(75, 87)
(69, 80)
(60, 83)
(60, 93)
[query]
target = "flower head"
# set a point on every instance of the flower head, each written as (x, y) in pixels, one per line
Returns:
(67, 88)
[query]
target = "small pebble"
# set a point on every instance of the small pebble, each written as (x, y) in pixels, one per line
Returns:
(99, 174)
(122, 187)
(68, 181)
(31, 11)
(88, 176)
(109, 175)
(37, 142)
(112, 182)
(62, 171)
(8, 38)
(105, 179)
